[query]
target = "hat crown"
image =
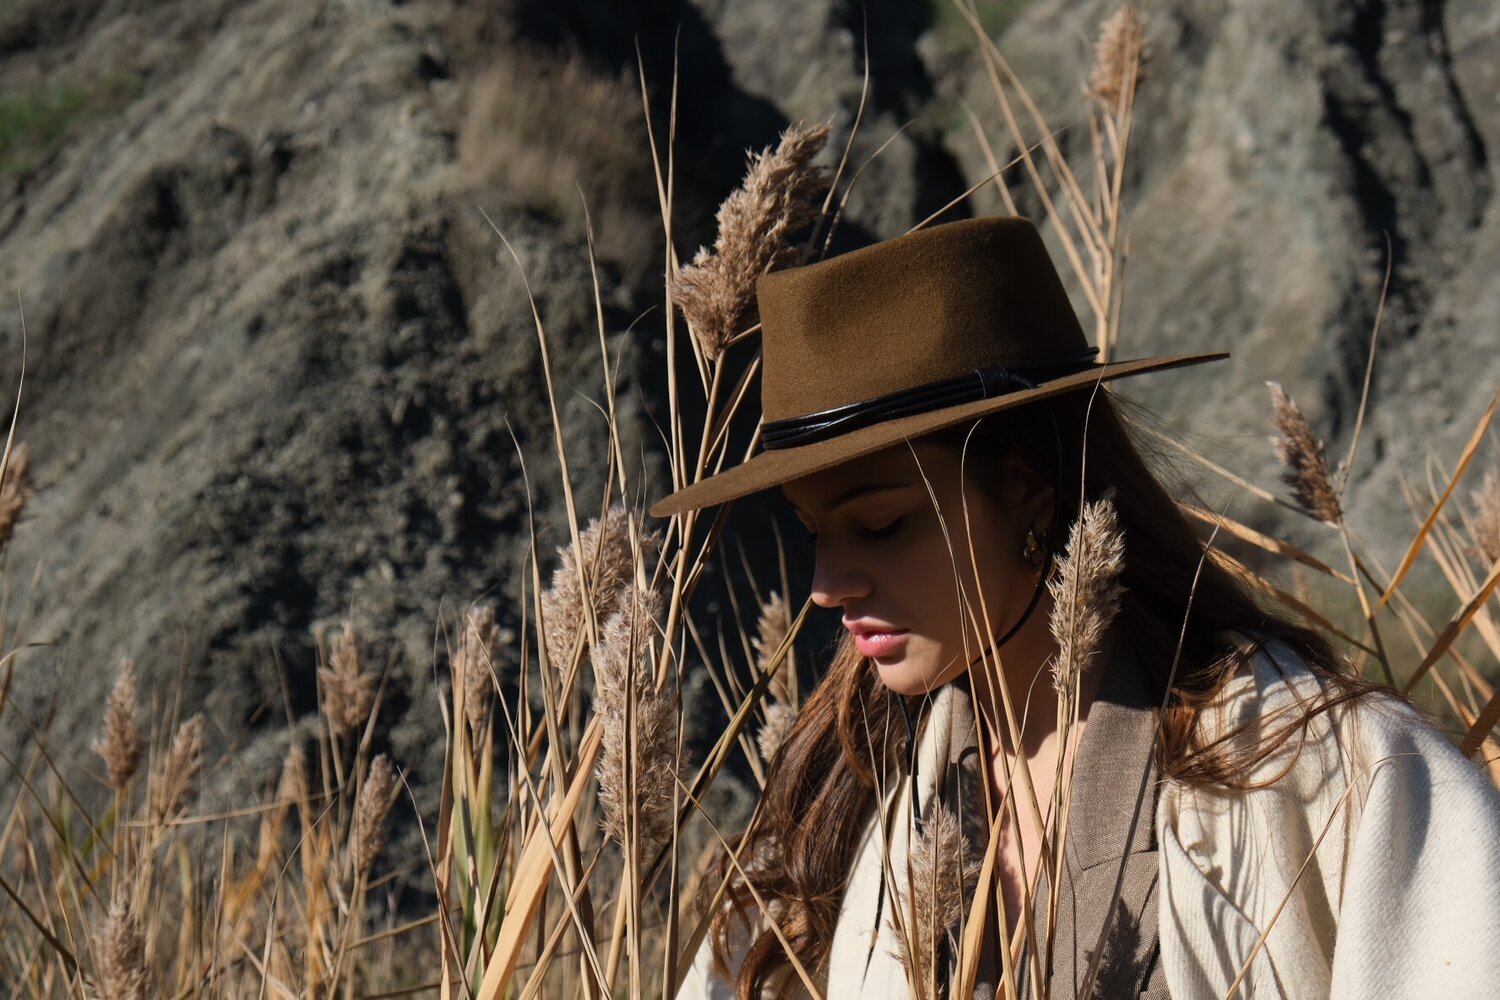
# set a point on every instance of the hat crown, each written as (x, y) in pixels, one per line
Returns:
(926, 306)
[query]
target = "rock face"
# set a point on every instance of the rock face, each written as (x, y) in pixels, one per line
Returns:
(1281, 150)
(275, 355)
(273, 350)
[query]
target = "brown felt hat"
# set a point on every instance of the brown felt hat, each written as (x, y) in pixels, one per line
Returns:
(888, 343)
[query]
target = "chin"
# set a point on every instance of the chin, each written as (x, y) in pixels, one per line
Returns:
(906, 679)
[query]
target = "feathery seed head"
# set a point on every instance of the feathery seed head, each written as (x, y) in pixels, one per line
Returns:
(122, 955)
(1118, 53)
(375, 796)
(348, 689)
(172, 785)
(1487, 517)
(119, 744)
(474, 662)
(780, 717)
(943, 870)
(15, 491)
(771, 628)
(608, 566)
(621, 658)
(1301, 452)
(1086, 590)
(716, 291)
(637, 756)
(292, 785)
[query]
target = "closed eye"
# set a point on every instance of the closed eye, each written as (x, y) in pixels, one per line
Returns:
(886, 530)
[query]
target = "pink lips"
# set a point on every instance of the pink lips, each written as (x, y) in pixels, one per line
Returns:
(876, 638)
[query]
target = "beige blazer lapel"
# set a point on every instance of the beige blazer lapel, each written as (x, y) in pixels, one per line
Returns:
(1111, 840)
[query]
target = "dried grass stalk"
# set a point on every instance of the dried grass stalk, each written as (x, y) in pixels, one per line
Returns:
(1117, 54)
(1301, 452)
(637, 756)
(780, 717)
(15, 491)
(1086, 589)
(122, 956)
(1487, 517)
(474, 661)
(367, 839)
(119, 744)
(777, 198)
(943, 869)
(173, 787)
(292, 785)
(291, 788)
(562, 604)
(771, 628)
(348, 689)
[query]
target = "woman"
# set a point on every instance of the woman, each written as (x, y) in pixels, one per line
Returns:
(1245, 813)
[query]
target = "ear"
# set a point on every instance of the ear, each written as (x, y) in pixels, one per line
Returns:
(1024, 491)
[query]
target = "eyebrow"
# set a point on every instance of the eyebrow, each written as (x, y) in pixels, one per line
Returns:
(864, 489)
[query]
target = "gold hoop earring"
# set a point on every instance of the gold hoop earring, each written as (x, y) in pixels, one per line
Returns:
(1031, 555)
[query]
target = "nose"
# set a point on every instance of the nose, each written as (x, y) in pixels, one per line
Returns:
(837, 581)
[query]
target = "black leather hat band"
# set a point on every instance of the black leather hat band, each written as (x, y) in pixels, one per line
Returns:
(982, 383)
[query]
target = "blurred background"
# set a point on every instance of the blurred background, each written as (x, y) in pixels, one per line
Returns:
(280, 370)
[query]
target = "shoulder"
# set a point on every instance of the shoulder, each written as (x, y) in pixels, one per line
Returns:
(1376, 737)
(1358, 861)
(1349, 779)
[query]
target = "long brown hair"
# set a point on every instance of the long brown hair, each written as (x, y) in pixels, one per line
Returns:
(820, 785)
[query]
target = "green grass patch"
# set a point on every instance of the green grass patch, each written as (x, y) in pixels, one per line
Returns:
(34, 125)
(994, 17)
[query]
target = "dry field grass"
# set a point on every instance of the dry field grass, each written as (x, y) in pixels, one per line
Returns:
(570, 842)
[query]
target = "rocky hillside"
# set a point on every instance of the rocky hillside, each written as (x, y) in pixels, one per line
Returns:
(278, 362)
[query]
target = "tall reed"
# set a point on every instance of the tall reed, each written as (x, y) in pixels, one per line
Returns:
(580, 809)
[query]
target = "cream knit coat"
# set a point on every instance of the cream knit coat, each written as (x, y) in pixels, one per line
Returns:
(1374, 861)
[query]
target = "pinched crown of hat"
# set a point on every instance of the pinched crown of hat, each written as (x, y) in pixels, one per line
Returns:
(902, 338)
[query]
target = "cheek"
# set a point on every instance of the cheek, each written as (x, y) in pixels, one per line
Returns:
(994, 588)
(924, 589)
(920, 580)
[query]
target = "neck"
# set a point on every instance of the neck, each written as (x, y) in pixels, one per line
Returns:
(1024, 665)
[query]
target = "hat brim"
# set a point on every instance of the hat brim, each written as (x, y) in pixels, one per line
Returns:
(783, 465)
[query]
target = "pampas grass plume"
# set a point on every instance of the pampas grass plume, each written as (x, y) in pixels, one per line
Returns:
(119, 744)
(1118, 47)
(173, 784)
(636, 769)
(943, 869)
(348, 689)
(15, 491)
(122, 956)
(375, 796)
(1301, 452)
(771, 627)
(476, 656)
(716, 291)
(1487, 517)
(780, 717)
(563, 603)
(1086, 589)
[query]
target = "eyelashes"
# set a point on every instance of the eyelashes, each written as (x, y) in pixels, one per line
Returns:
(872, 534)
(887, 531)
